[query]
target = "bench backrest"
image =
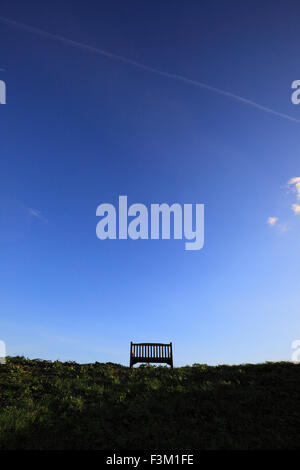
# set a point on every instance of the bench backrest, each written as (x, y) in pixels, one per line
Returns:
(151, 352)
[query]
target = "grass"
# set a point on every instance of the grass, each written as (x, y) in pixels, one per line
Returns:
(55, 405)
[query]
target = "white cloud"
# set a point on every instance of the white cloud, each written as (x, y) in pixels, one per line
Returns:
(296, 208)
(294, 185)
(272, 221)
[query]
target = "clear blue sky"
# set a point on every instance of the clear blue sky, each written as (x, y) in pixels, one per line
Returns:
(79, 129)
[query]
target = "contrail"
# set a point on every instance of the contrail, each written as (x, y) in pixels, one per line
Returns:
(139, 65)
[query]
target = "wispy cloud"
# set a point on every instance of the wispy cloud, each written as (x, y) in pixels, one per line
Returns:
(139, 65)
(37, 214)
(283, 227)
(272, 221)
(294, 185)
(296, 208)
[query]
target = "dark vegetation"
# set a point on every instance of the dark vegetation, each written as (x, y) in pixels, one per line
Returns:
(55, 405)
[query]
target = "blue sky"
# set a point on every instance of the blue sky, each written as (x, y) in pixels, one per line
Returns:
(79, 129)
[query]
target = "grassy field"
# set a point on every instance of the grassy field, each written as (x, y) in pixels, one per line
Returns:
(55, 405)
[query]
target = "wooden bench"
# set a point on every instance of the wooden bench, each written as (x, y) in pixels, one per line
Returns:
(151, 352)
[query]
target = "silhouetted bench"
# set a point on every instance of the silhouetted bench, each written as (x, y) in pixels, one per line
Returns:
(151, 352)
